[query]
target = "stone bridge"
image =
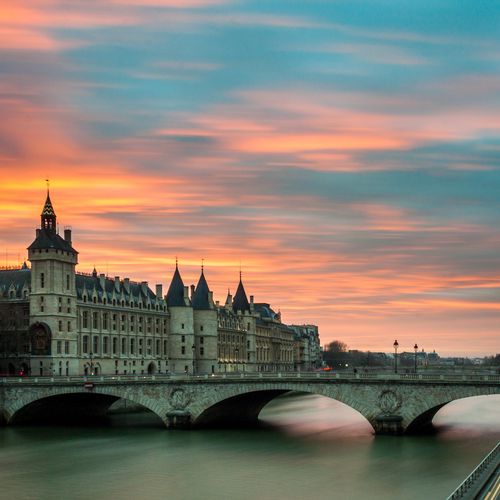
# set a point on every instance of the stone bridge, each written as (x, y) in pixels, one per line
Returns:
(393, 404)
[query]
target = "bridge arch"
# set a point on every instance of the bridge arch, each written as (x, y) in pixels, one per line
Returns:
(236, 406)
(56, 404)
(423, 422)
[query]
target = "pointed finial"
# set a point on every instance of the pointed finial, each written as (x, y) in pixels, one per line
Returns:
(202, 264)
(47, 180)
(176, 262)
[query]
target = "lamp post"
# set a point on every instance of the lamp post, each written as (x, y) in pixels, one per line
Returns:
(416, 349)
(396, 345)
(194, 353)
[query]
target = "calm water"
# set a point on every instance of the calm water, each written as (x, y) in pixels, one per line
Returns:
(313, 448)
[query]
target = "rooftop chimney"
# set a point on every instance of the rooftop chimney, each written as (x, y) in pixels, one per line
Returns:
(159, 291)
(67, 235)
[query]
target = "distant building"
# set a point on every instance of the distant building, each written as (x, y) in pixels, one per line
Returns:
(308, 353)
(56, 321)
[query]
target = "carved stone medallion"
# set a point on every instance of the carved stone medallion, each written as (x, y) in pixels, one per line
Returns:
(179, 399)
(389, 402)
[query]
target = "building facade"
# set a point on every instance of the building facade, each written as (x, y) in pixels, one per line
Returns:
(57, 321)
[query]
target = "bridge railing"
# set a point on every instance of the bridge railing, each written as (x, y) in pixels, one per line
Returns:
(325, 376)
(463, 488)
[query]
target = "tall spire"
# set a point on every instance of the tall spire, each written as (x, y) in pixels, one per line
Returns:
(48, 215)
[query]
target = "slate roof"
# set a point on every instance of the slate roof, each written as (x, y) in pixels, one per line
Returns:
(16, 278)
(88, 284)
(240, 301)
(47, 239)
(201, 294)
(175, 294)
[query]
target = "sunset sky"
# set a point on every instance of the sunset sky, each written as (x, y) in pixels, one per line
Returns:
(346, 153)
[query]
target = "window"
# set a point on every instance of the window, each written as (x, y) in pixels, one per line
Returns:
(66, 347)
(201, 328)
(85, 319)
(140, 347)
(85, 344)
(69, 326)
(132, 346)
(115, 345)
(158, 346)
(124, 346)
(202, 340)
(42, 304)
(67, 282)
(95, 344)
(58, 347)
(182, 326)
(42, 280)
(105, 346)
(94, 320)
(164, 347)
(59, 306)
(69, 306)
(183, 338)
(202, 351)
(183, 349)
(150, 343)
(105, 321)
(60, 326)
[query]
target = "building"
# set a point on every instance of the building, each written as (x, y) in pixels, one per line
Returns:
(57, 321)
(308, 354)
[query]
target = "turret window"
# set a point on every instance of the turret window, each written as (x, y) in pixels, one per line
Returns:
(59, 307)
(42, 280)
(69, 306)
(183, 349)
(60, 326)
(42, 304)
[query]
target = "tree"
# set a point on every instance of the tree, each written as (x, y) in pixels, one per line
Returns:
(337, 346)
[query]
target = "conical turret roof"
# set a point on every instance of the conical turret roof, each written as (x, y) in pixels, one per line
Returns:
(201, 294)
(240, 301)
(175, 294)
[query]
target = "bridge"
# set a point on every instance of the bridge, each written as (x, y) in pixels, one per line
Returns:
(392, 403)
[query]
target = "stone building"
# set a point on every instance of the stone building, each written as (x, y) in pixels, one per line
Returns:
(56, 321)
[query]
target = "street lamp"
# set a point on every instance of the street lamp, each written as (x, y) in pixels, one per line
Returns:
(396, 345)
(416, 349)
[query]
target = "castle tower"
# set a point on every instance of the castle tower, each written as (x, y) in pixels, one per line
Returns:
(53, 325)
(181, 337)
(205, 327)
(242, 307)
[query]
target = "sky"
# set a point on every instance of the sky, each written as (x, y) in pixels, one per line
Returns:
(345, 154)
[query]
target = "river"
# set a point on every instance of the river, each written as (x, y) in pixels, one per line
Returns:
(309, 448)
